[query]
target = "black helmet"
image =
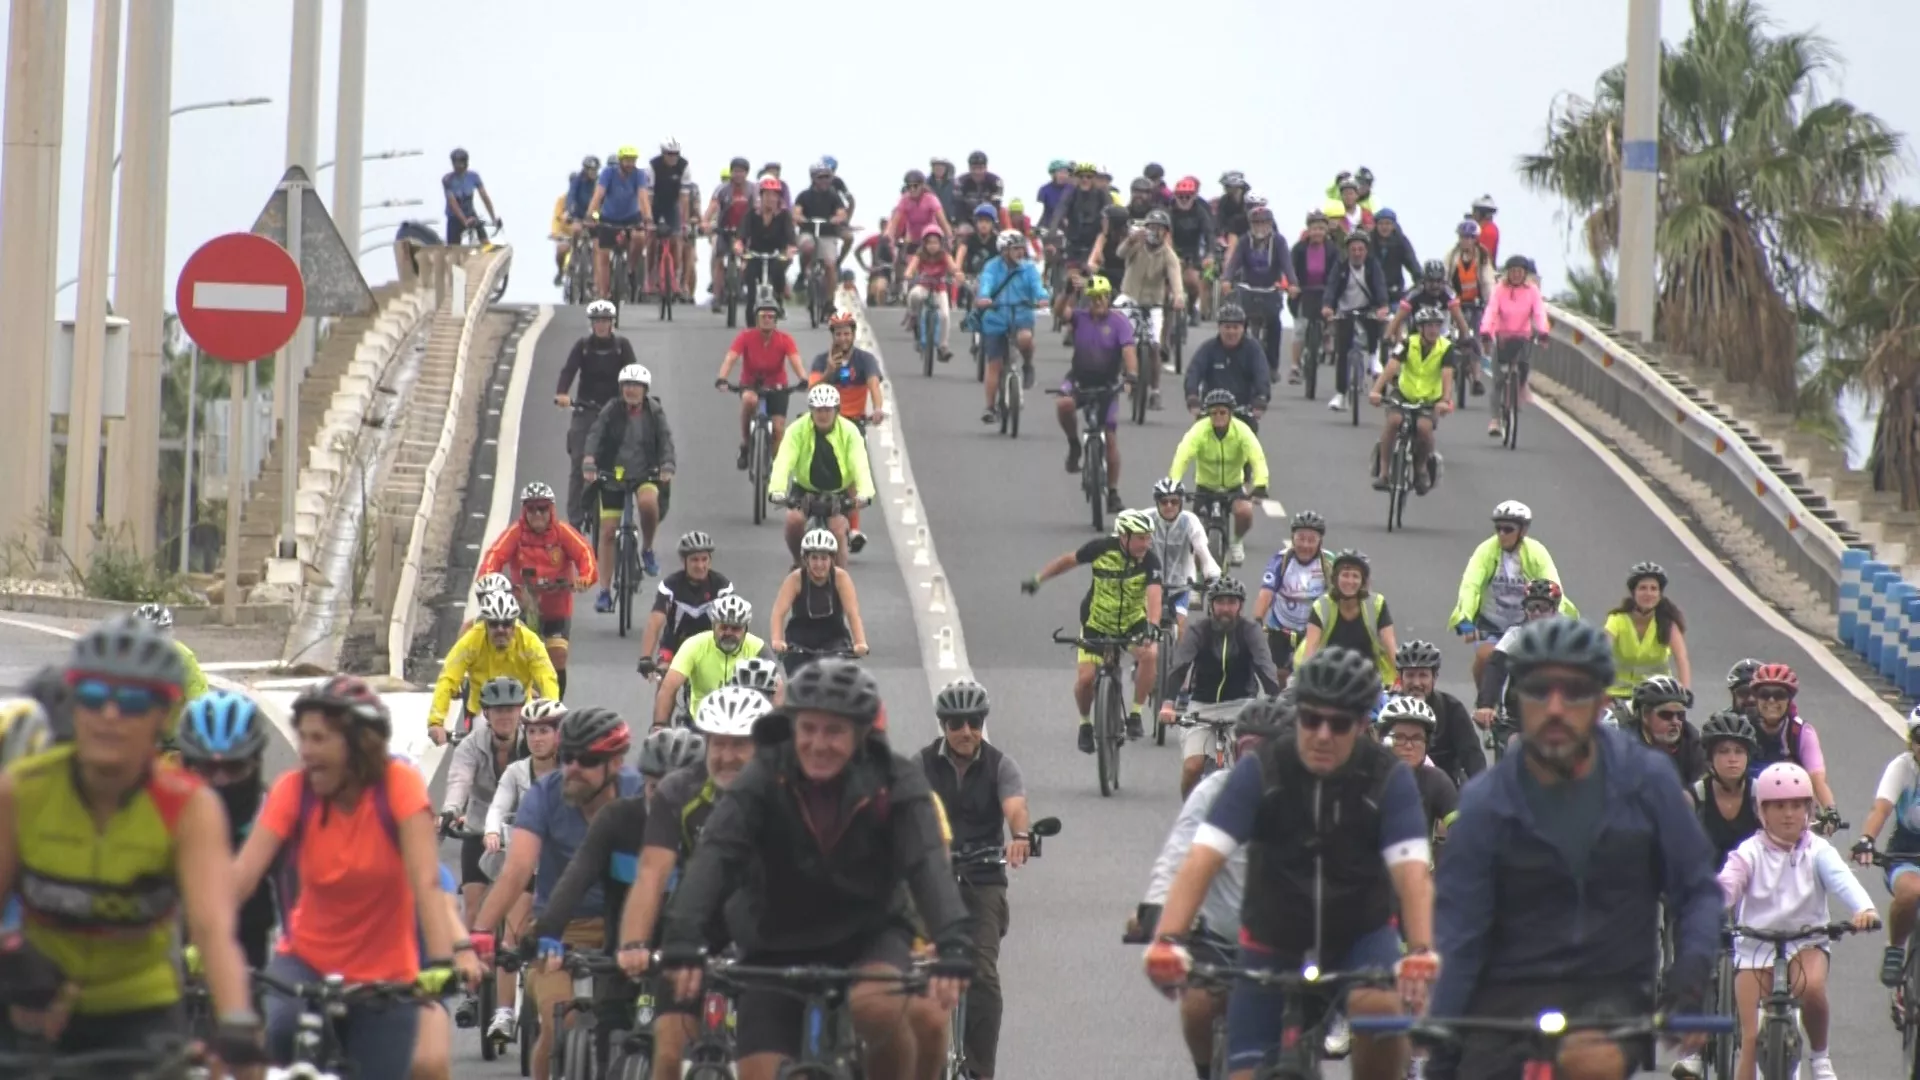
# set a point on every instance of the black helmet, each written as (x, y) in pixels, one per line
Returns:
(1231, 313)
(1643, 570)
(48, 686)
(1142, 186)
(1433, 270)
(1116, 213)
(1154, 171)
(1353, 557)
(739, 163)
(836, 686)
(1740, 675)
(961, 698)
(1728, 725)
(1661, 690)
(459, 155)
(1419, 655)
(694, 543)
(1226, 588)
(1359, 236)
(502, 690)
(1563, 642)
(1308, 519)
(1338, 678)
(1217, 398)
(1160, 218)
(978, 157)
(1263, 718)
(129, 648)
(594, 730)
(915, 176)
(1365, 176)
(1518, 261)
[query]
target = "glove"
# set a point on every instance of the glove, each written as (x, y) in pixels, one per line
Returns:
(645, 666)
(236, 1041)
(551, 948)
(1863, 846)
(434, 977)
(483, 944)
(1167, 963)
(1465, 627)
(1030, 585)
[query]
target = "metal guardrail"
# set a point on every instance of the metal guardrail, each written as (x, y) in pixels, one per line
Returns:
(407, 585)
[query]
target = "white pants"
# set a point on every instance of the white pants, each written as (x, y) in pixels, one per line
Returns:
(917, 296)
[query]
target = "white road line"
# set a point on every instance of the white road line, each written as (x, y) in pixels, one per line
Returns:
(1272, 508)
(1737, 588)
(506, 458)
(239, 296)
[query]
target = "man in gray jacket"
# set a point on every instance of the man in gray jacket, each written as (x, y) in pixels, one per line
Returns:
(473, 773)
(632, 445)
(1227, 657)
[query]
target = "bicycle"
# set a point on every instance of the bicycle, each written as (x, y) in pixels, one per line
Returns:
(929, 326)
(1470, 314)
(1215, 511)
(578, 283)
(958, 1067)
(766, 276)
(1219, 718)
(820, 507)
(1543, 1033)
(1313, 340)
(1176, 324)
(317, 1048)
(628, 569)
(1109, 706)
(582, 513)
(1777, 1042)
(1506, 390)
(819, 288)
(759, 450)
(174, 1058)
(1163, 690)
(1302, 1045)
(526, 1021)
(709, 1054)
(1013, 367)
(829, 1048)
(1140, 394)
(731, 275)
(487, 996)
(794, 657)
(583, 1050)
(1358, 360)
(1093, 402)
(1399, 464)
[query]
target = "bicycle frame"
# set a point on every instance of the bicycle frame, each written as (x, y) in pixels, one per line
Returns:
(759, 451)
(1219, 718)
(1302, 1042)
(1215, 511)
(1777, 1034)
(829, 1047)
(1109, 731)
(1094, 403)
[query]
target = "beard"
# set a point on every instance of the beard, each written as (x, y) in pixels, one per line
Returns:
(578, 793)
(1562, 759)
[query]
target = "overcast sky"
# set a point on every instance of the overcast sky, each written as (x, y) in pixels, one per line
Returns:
(503, 79)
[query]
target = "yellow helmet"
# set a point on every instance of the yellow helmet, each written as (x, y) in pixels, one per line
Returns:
(1098, 285)
(1087, 167)
(1016, 207)
(628, 152)
(726, 175)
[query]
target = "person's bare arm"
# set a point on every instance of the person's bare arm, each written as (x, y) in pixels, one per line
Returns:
(522, 856)
(1682, 666)
(641, 913)
(663, 698)
(782, 607)
(204, 869)
(850, 603)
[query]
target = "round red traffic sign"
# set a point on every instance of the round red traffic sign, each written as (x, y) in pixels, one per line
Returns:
(240, 297)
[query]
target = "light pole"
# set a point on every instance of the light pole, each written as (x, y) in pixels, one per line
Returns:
(384, 155)
(1640, 171)
(389, 204)
(202, 106)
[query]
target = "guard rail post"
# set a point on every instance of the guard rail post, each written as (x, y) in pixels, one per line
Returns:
(1853, 565)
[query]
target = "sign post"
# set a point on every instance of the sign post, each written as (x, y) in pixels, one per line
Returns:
(240, 297)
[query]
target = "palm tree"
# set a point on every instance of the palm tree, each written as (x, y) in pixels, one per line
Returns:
(1874, 305)
(1590, 293)
(1758, 175)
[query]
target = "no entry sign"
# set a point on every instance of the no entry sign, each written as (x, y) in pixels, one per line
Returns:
(240, 297)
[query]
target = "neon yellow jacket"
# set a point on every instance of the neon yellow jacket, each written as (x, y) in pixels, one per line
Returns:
(1534, 562)
(794, 463)
(1219, 461)
(194, 686)
(475, 659)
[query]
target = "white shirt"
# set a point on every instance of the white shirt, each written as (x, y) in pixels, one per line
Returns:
(1221, 907)
(1775, 888)
(1504, 602)
(1301, 583)
(1179, 544)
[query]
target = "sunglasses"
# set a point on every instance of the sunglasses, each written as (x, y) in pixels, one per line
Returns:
(1572, 691)
(955, 723)
(1772, 695)
(537, 507)
(1506, 530)
(220, 773)
(585, 761)
(1338, 723)
(502, 624)
(1675, 715)
(129, 699)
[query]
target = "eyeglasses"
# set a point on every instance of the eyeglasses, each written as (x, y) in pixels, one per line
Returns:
(1541, 688)
(1338, 723)
(955, 723)
(585, 761)
(129, 699)
(1540, 610)
(1506, 530)
(537, 507)
(1772, 695)
(1171, 500)
(1409, 739)
(1675, 715)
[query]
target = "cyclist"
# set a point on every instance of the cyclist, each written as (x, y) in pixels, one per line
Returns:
(1220, 658)
(1897, 798)
(935, 273)
(976, 245)
(194, 683)
(223, 741)
(1351, 616)
(816, 903)
(817, 608)
(677, 813)
(977, 185)
(760, 675)
(1430, 291)
(1557, 869)
(1224, 452)
(473, 777)
(459, 187)
(1421, 374)
(1542, 601)
(1740, 685)
(500, 645)
(1181, 544)
(853, 206)
(1230, 362)
(766, 354)
(1079, 216)
(877, 255)
(1406, 725)
(1344, 208)
(1103, 356)
(1355, 287)
(352, 831)
(825, 201)
(632, 443)
(1784, 736)
(1020, 223)
(1782, 878)
(1230, 209)
(1470, 270)
(550, 828)
(708, 659)
(940, 182)
(1051, 193)
(1153, 275)
(573, 212)
(1649, 633)
(1319, 883)
(771, 171)
(1314, 256)
(684, 604)
(1658, 718)
(1493, 588)
(727, 212)
(621, 206)
(1454, 744)
(544, 552)
(597, 359)
(918, 208)
(824, 458)
(1191, 221)
(670, 202)
(540, 729)
(1395, 251)
(1488, 233)
(1723, 799)
(1008, 294)
(1123, 601)
(1295, 577)
(1514, 314)
(768, 232)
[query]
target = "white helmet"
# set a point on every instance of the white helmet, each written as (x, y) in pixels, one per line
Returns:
(601, 309)
(636, 373)
(670, 145)
(823, 396)
(1403, 708)
(492, 583)
(1010, 240)
(499, 607)
(1518, 513)
(542, 711)
(732, 611)
(731, 711)
(1123, 302)
(819, 540)
(758, 674)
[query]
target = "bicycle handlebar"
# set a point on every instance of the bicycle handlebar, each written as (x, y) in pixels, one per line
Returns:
(1548, 1025)
(1833, 931)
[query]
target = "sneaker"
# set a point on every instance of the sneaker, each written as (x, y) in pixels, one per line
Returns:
(1821, 1068)
(1381, 483)
(557, 275)
(1293, 377)
(1422, 480)
(989, 416)
(1339, 1040)
(1495, 431)
(856, 540)
(741, 461)
(1892, 962)
(1337, 402)
(467, 1013)
(946, 354)
(1238, 554)
(1688, 1068)
(1073, 457)
(646, 560)
(1135, 729)
(1479, 388)
(502, 1025)
(1086, 736)
(1153, 400)
(1114, 505)
(603, 603)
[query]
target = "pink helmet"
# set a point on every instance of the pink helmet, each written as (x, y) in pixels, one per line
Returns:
(932, 228)
(1783, 781)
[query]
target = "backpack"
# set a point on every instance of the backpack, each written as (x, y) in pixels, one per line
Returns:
(287, 873)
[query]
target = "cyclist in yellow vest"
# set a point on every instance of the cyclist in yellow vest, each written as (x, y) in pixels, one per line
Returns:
(1353, 617)
(1223, 450)
(1421, 373)
(1649, 633)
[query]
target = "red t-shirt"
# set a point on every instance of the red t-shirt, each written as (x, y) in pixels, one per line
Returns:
(1490, 241)
(763, 358)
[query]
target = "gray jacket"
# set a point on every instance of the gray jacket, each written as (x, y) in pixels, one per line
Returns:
(471, 777)
(638, 445)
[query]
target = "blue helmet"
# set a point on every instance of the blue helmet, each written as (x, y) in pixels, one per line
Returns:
(832, 163)
(1386, 214)
(985, 210)
(222, 726)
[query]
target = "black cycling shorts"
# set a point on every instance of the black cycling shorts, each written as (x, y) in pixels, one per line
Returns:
(471, 849)
(778, 399)
(769, 1021)
(666, 217)
(606, 233)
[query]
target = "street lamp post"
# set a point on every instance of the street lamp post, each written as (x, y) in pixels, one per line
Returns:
(389, 204)
(202, 106)
(1640, 176)
(384, 155)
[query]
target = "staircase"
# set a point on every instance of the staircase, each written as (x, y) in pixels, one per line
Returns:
(425, 416)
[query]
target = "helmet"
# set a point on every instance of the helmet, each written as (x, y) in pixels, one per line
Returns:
(738, 163)
(1231, 313)
(963, 230)
(459, 154)
(157, 614)
(1086, 168)
(978, 157)
(542, 711)
(732, 610)
(1467, 230)
(1011, 240)
(1168, 487)
(1353, 557)
(756, 673)
(669, 749)
(1513, 512)
(771, 167)
(1486, 203)
(601, 309)
(636, 373)
(1641, 571)
(499, 608)
(535, 491)
(1429, 316)
(1358, 236)
(1132, 523)
(1231, 179)
(590, 163)
(671, 145)
(914, 176)
(770, 183)
(1256, 201)
(1098, 285)
(1160, 218)
(1258, 212)
(1345, 180)
(220, 726)
(836, 686)
(627, 152)
(1103, 172)
(1308, 519)
(1777, 675)
(763, 299)
(936, 160)
(961, 698)
(1740, 675)
(819, 541)
(1226, 588)
(30, 733)
(819, 168)
(1542, 591)
(986, 210)
(1218, 398)
(1016, 206)
(1117, 214)
(502, 690)
(1782, 781)
(1364, 175)
(823, 396)
(1316, 217)
(1405, 709)
(832, 163)
(492, 583)
(1518, 261)
(129, 648)
(694, 543)
(1661, 690)
(1728, 725)
(1433, 270)
(1564, 642)
(1154, 171)
(1418, 655)
(1188, 185)
(594, 730)
(1387, 214)
(1057, 164)
(351, 697)
(730, 711)
(1142, 186)
(1338, 678)
(842, 318)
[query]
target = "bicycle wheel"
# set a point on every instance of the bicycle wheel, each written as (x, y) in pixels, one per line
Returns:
(487, 999)
(575, 1052)
(1094, 467)
(816, 295)
(1103, 747)
(756, 471)
(1511, 408)
(1310, 358)
(1116, 727)
(979, 357)
(623, 557)
(1162, 693)
(732, 289)
(1778, 1050)
(1217, 543)
(1179, 325)
(527, 1029)
(1137, 397)
(1356, 378)
(925, 323)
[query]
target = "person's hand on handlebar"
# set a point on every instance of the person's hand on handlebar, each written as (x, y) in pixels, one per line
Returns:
(589, 473)
(565, 401)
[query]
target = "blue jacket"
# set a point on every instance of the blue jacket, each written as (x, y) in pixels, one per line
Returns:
(1025, 288)
(1550, 926)
(580, 194)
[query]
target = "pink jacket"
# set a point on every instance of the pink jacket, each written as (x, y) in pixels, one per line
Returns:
(1512, 309)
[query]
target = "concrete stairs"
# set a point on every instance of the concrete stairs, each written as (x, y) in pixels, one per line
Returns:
(425, 416)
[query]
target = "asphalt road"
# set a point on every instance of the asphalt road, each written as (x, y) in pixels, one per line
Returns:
(998, 509)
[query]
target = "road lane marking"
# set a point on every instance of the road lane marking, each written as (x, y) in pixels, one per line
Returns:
(506, 459)
(1272, 508)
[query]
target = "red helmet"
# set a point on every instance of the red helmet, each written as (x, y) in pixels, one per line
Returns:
(839, 319)
(349, 696)
(1188, 185)
(770, 183)
(1776, 675)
